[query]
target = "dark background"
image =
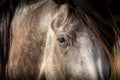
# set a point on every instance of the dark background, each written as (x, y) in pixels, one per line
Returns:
(115, 9)
(115, 6)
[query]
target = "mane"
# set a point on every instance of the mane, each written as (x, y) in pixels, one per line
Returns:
(99, 20)
(7, 9)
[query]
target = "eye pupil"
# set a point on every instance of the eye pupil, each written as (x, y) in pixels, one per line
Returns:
(62, 42)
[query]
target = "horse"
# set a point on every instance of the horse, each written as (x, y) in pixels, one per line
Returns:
(56, 40)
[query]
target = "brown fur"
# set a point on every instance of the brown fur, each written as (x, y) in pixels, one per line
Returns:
(27, 28)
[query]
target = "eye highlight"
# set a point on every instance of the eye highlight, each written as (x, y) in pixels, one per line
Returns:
(62, 42)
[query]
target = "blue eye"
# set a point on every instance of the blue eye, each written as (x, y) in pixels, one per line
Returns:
(62, 42)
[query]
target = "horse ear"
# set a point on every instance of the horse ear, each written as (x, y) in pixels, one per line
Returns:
(61, 1)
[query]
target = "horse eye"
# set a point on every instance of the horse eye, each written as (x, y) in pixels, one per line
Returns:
(62, 42)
